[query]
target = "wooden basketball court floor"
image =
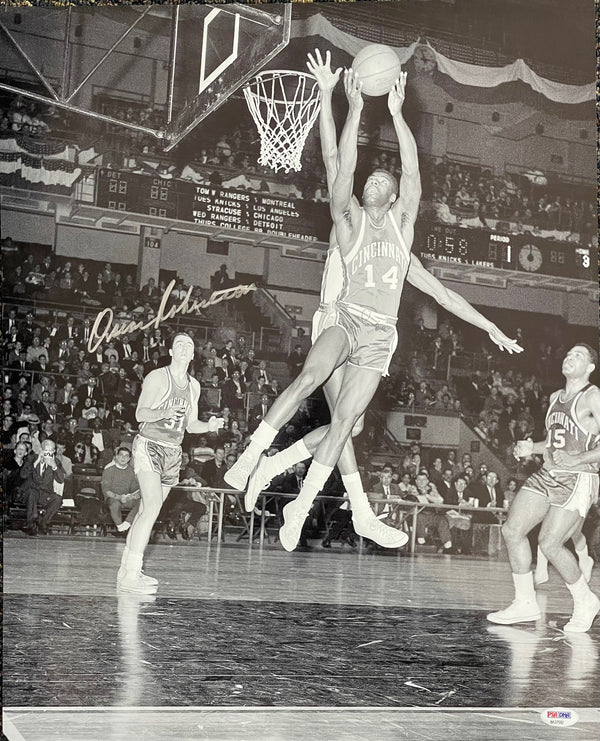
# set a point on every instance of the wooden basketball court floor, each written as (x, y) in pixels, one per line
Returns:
(258, 644)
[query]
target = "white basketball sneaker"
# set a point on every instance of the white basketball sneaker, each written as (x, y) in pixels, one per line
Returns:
(293, 520)
(519, 611)
(238, 474)
(368, 526)
(583, 614)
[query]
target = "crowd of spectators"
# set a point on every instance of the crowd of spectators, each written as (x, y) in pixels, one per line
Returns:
(224, 155)
(471, 195)
(27, 118)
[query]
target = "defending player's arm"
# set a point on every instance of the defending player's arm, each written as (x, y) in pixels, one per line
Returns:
(406, 207)
(194, 425)
(344, 208)
(456, 304)
(153, 390)
(326, 80)
(575, 460)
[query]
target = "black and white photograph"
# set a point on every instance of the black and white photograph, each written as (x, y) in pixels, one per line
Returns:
(300, 370)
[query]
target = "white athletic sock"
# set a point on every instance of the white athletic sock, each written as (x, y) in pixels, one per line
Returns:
(261, 439)
(134, 561)
(541, 561)
(580, 590)
(278, 463)
(583, 553)
(524, 588)
(313, 483)
(123, 526)
(356, 494)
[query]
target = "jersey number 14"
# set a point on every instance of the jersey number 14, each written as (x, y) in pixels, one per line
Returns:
(390, 278)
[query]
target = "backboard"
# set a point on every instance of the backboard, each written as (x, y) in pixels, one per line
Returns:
(179, 61)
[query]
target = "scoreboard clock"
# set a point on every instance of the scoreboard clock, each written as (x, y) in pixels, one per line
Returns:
(521, 252)
(466, 246)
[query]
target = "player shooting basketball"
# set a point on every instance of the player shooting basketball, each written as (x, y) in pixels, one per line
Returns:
(374, 241)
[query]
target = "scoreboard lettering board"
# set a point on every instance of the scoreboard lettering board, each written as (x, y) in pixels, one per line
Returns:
(215, 206)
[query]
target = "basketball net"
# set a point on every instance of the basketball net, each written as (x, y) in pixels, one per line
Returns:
(284, 105)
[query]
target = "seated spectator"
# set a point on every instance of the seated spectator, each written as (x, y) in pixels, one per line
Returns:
(429, 520)
(43, 483)
(185, 508)
(258, 412)
(220, 280)
(460, 522)
(11, 474)
(120, 489)
(214, 470)
(85, 453)
(201, 452)
(295, 361)
(234, 394)
(388, 490)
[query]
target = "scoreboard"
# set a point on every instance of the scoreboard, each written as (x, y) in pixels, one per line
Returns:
(225, 208)
(278, 215)
(521, 252)
(143, 194)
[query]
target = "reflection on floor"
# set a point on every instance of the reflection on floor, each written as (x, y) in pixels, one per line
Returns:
(240, 629)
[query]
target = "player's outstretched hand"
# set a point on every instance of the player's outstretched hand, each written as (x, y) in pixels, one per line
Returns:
(397, 94)
(353, 89)
(523, 449)
(326, 79)
(504, 342)
(215, 424)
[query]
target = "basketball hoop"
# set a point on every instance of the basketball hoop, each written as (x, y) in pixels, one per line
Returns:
(284, 105)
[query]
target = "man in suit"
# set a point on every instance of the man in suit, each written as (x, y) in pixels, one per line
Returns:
(149, 292)
(68, 331)
(385, 488)
(214, 470)
(445, 486)
(153, 363)
(125, 348)
(10, 323)
(295, 361)
(42, 407)
(258, 413)
(43, 478)
(88, 390)
(19, 367)
(234, 393)
(62, 352)
(489, 495)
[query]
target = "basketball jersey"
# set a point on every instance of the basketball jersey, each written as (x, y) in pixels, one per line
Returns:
(170, 431)
(376, 267)
(564, 431)
(334, 278)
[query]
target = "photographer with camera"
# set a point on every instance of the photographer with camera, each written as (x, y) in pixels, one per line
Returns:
(43, 482)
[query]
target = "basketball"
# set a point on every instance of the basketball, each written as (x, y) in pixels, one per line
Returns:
(378, 68)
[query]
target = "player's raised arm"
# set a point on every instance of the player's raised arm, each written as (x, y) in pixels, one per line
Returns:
(452, 302)
(326, 80)
(410, 182)
(343, 208)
